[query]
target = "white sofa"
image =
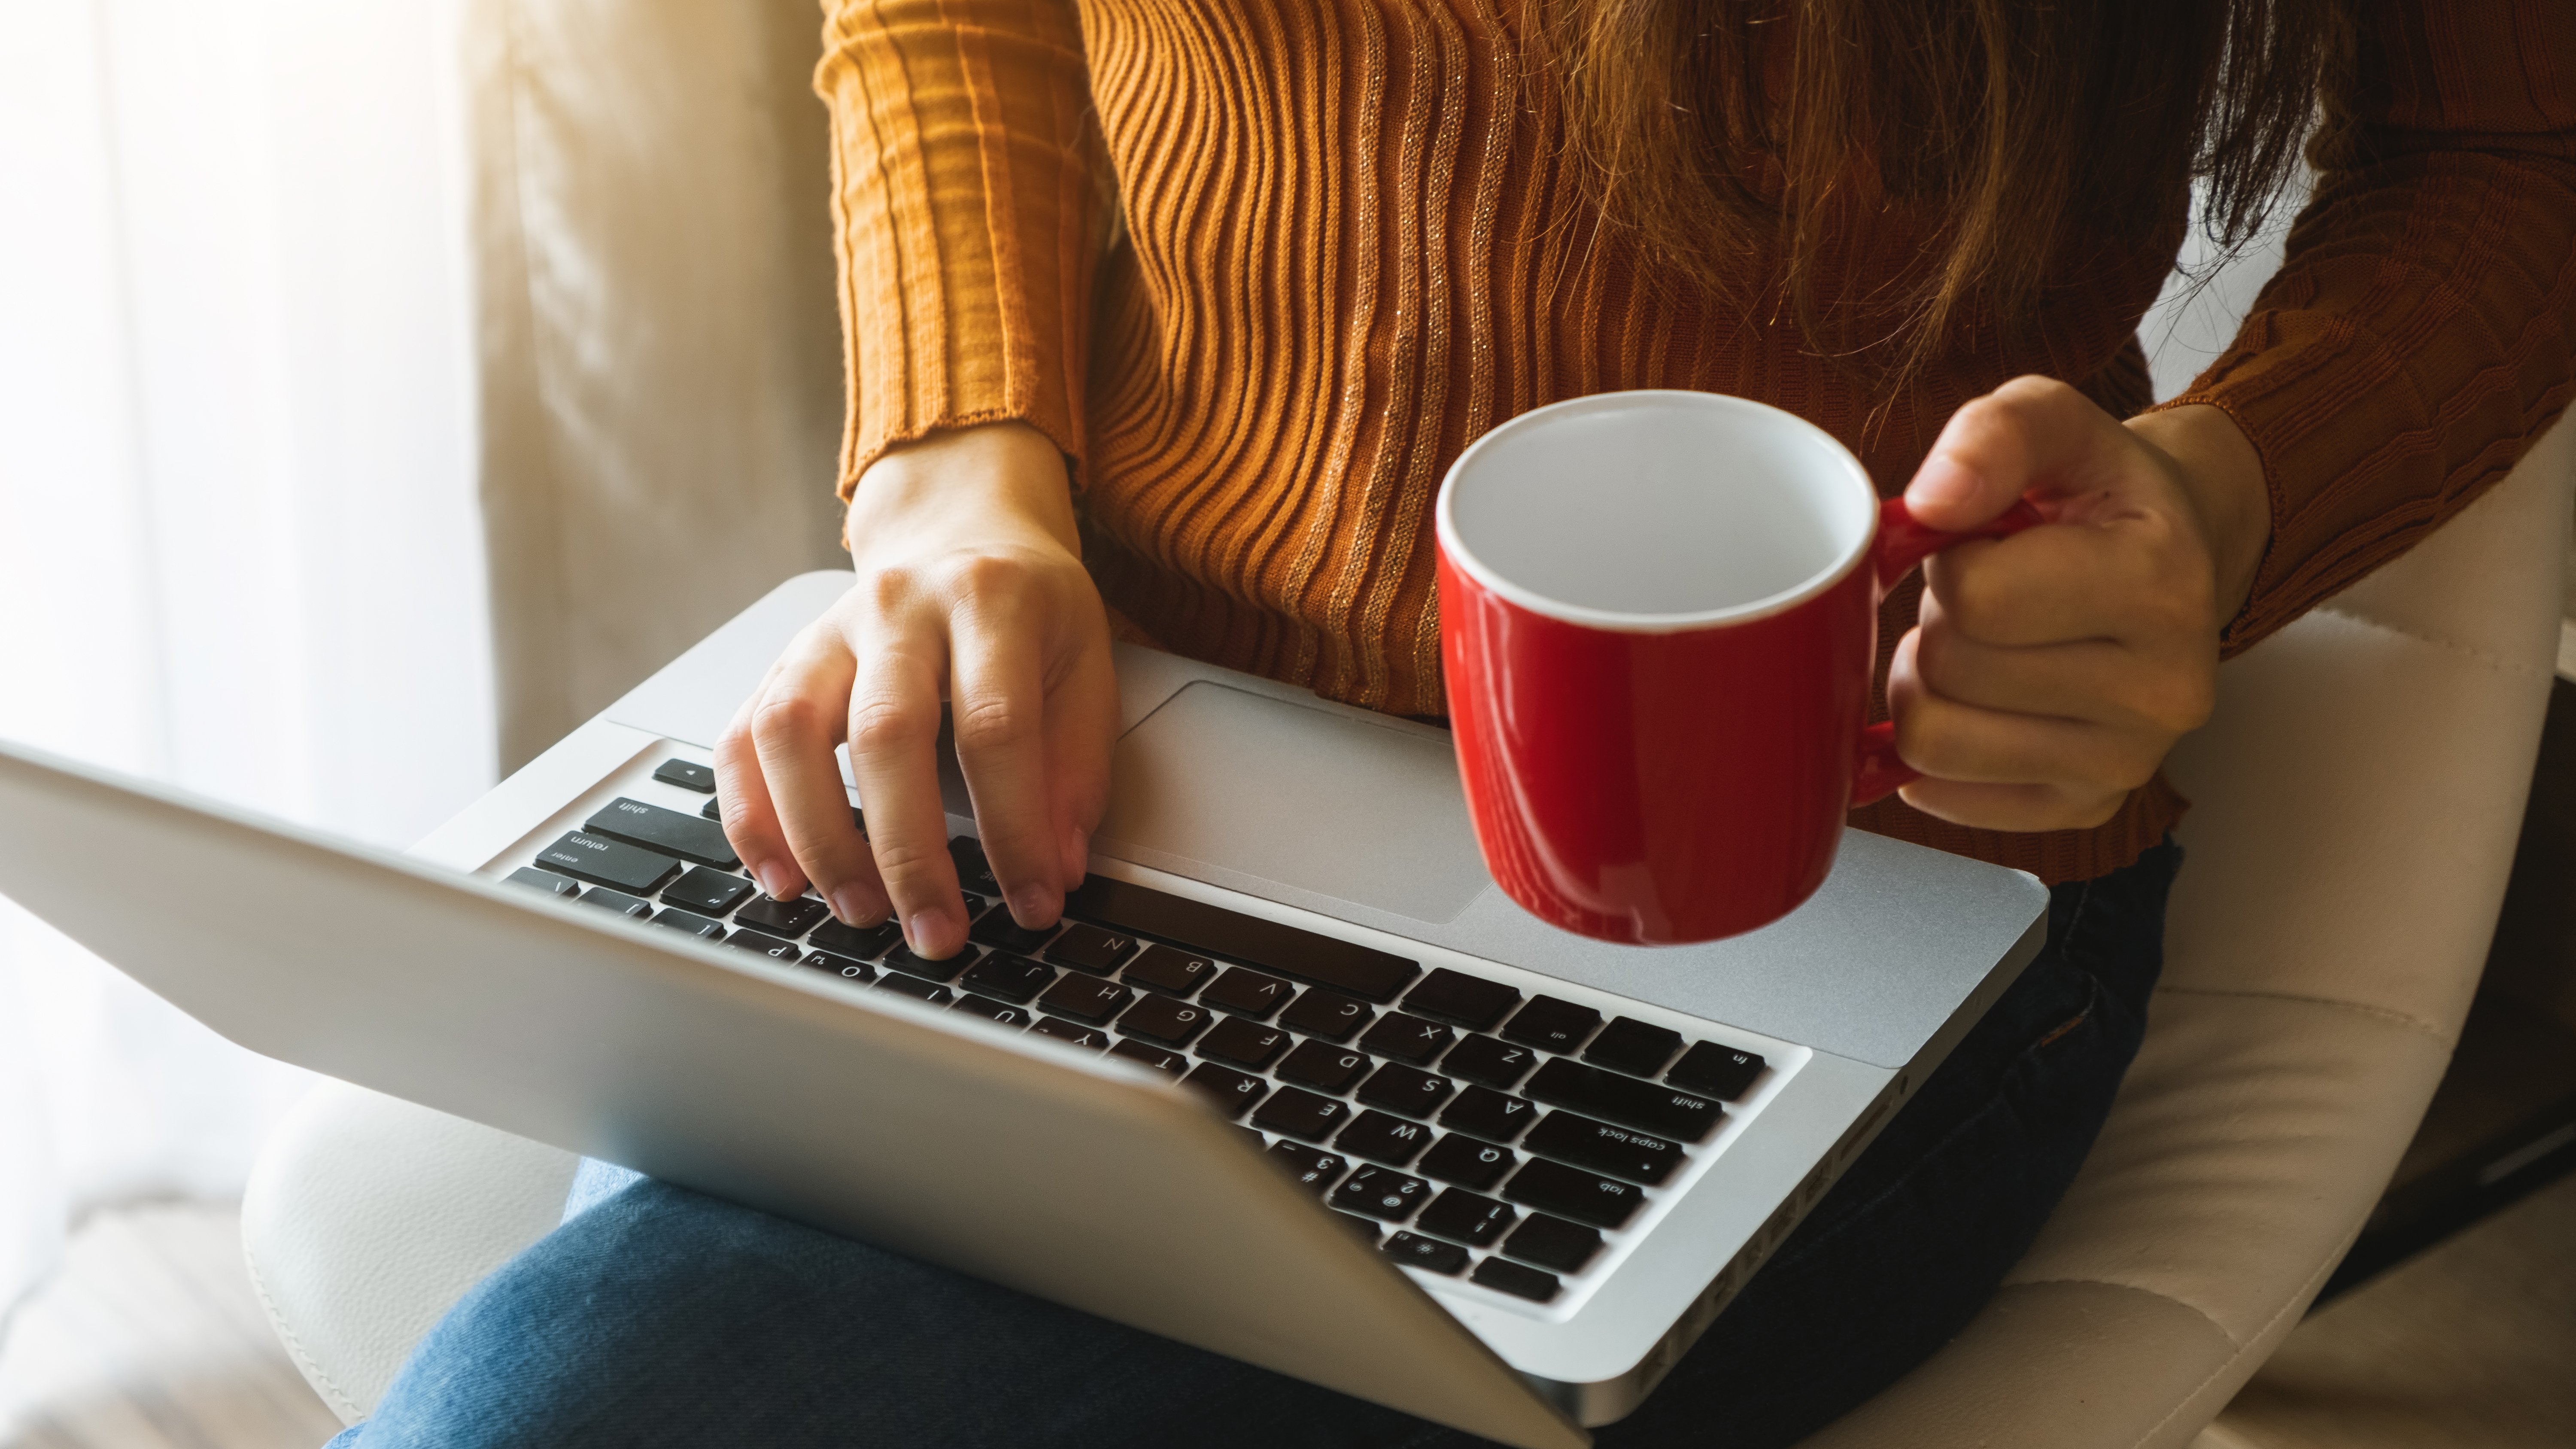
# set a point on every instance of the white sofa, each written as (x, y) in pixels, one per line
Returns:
(2357, 796)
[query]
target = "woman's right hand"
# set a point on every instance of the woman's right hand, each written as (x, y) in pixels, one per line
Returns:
(970, 587)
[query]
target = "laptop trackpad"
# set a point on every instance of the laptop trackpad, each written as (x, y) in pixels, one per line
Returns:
(1241, 785)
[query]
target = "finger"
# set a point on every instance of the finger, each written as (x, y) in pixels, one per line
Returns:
(2029, 431)
(2095, 680)
(794, 729)
(742, 804)
(1950, 740)
(2130, 578)
(894, 739)
(999, 705)
(2014, 807)
(1082, 730)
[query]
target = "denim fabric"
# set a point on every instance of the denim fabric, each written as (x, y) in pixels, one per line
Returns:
(663, 1317)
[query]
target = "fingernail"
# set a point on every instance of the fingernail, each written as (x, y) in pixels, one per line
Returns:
(1036, 906)
(854, 907)
(1943, 479)
(927, 933)
(776, 881)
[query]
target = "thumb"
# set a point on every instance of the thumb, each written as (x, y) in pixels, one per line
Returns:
(2026, 434)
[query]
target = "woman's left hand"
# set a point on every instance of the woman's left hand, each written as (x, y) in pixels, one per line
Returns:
(2053, 670)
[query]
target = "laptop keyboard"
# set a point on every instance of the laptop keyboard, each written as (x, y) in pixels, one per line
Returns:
(1464, 1127)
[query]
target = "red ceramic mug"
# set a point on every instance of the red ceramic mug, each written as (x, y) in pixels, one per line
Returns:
(1658, 620)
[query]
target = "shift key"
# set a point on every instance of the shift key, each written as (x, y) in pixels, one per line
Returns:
(651, 827)
(1662, 1110)
(605, 862)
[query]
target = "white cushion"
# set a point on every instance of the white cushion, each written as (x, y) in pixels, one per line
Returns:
(368, 1217)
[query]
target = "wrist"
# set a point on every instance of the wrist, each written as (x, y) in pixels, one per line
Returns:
(2222, 475)
(982, 479)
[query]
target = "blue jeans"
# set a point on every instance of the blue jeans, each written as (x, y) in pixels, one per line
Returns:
(665, 1317)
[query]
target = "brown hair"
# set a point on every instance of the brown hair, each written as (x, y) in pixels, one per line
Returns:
(2018, 136)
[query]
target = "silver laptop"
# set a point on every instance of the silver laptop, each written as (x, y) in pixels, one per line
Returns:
(1294, 1083)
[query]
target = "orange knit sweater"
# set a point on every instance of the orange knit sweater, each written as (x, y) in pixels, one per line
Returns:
(1262, 268)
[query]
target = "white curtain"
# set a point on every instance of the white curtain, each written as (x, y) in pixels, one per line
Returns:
(239, 541)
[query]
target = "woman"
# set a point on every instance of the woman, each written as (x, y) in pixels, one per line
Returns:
(1166, 319)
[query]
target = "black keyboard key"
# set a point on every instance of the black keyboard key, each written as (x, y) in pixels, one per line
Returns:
(1467, 1218)
(974, 872)
(991, 1010)
(1011, 978)
(688, 775)
(608, 863)
(901, 958)
(1571, 1192)
(1314, 1168)
(1089, 948)
(1454, 996)
(1328, 1014)
(1468, 1162)
(1381, 1138)
(705, 927)
(1716, 1071)
(1618, 1151)
(668, 831)
(1295, 1112)
(1361, 1228)
(1381, 1192)
(1230, 1090)
(1406, 1038)
(1194, 925)
(708, 892)
(1066, 1031)
(1248, 993)
(1161, 1019)
(997, 929)
(1552, 1025)
(766, 945)
(1508, 1277)
(1244, 1043)
(1174, 973)
(1402, 1090)
(1085, 999)
(1553, 1243)
(848, 968)
(713, 810)
(1428, 1254)
(1324, 1067)
(1593, 1092)
(558, 886)
(1486, 1113)
(618, 901)
(1169, 1063)
(782, 918)
(1496, 1064)
(868, 941)
(914, 986)
(1632, 1046)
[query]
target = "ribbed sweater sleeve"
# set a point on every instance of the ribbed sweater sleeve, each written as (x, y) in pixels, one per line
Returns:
(2422, 328)
(968, 212)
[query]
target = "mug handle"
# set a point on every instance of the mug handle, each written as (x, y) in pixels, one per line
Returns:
(1904, 541)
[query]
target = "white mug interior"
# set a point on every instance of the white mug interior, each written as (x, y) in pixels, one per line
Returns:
(1657, 510)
